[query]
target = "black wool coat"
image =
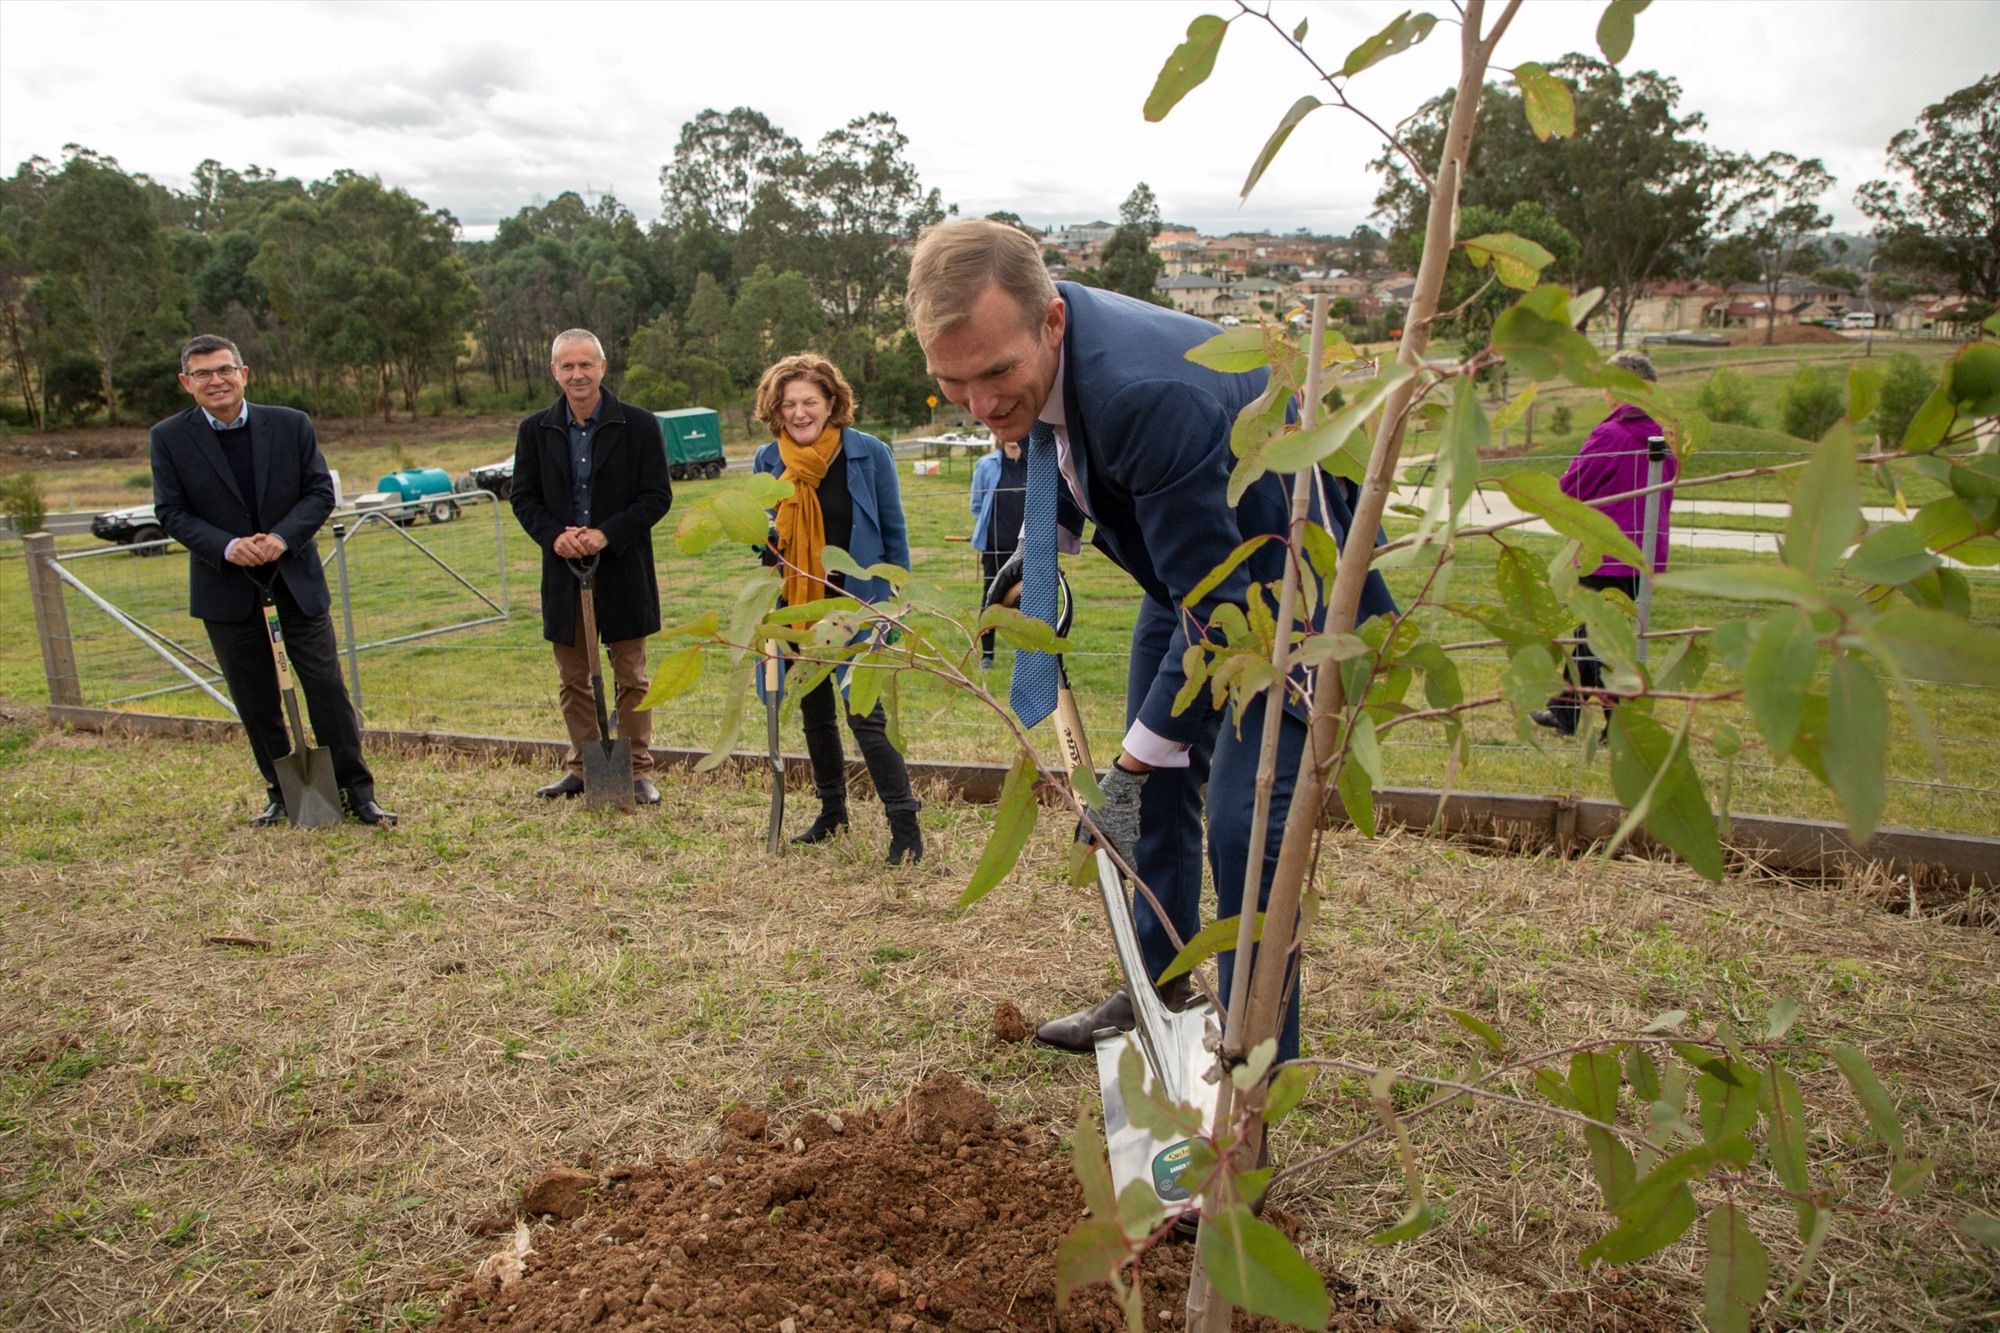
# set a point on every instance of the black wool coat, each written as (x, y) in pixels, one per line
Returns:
(629, 493)
(198, 502)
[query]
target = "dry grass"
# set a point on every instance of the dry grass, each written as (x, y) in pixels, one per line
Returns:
(294, 1133)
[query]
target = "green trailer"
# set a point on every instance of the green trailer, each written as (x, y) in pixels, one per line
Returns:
(693, 438)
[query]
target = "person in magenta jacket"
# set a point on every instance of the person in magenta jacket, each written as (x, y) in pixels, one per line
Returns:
(1612, 462)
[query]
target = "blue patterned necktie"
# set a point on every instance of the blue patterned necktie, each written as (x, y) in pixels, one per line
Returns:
(1033, 692)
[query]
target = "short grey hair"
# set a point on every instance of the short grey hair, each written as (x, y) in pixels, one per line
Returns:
(204, 343)
(955, 262)
(574, 336)
(1638, 363)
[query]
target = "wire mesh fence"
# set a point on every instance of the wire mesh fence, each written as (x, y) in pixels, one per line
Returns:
(439, 628)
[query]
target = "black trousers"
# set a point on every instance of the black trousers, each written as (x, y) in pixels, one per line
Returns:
(989, 564)
(1567, 707)
(243, 651)
(817, 710)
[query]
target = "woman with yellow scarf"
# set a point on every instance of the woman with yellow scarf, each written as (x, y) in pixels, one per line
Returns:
(844, 494)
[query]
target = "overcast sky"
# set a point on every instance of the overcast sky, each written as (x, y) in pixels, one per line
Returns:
(481, 108)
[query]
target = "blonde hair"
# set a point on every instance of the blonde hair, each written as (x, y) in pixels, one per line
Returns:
(826, 377)
(955, 262)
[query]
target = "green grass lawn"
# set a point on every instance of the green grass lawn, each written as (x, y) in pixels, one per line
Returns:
(499, 678)
(265, 1079)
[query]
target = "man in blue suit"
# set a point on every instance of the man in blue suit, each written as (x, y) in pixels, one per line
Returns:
(244, 488)
(1142, 439)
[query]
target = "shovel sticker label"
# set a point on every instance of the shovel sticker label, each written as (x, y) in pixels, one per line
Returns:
(1169, 1165)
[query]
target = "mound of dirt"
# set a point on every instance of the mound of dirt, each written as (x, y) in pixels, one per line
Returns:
(926, 1217)
(1785, 335)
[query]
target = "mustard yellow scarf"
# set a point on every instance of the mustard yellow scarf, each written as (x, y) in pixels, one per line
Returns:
(801, 522)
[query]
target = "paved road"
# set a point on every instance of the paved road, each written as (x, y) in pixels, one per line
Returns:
(65, 525)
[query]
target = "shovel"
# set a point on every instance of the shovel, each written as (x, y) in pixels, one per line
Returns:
(607, 761)
(305, 776)
(774, 676)
(1172, 1043)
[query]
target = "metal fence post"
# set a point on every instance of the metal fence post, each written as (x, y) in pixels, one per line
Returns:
(1656, 463)
(347, 616)
(52, 621)
(500, 544)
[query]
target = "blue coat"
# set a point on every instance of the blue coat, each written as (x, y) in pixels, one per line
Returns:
(985, 480)
(197, 500)
(1149, 438)
(880, 533)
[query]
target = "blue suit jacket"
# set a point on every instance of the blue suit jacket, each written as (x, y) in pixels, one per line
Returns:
(198, 502)
(985, 480)
(1149, 438)
(880, 533)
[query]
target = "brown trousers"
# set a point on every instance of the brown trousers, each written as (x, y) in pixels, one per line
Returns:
(579, 704)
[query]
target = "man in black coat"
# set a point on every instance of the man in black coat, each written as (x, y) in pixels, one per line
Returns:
(244, 488)
(590, 480)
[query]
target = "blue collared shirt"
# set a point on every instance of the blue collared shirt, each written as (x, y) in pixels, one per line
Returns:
(242, 417)
(581, 437)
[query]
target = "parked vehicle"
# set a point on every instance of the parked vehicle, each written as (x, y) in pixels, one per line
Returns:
(1859, 319)
(412, 493)
(128, 527)
(693, 437)
(497, 479)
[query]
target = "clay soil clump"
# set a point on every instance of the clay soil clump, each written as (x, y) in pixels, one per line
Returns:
(928, 1216)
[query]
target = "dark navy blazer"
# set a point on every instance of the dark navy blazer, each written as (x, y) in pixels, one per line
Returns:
(1149, 439)
(198, 502)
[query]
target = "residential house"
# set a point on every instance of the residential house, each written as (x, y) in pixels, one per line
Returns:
(1799, 302)
(1182, 257)
(1195, 293)
(1669, 307)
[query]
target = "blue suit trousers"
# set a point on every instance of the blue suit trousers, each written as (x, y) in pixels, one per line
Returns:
(1169, 852)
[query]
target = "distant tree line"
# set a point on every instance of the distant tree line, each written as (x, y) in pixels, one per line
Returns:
(349, 296)
(1635, 198)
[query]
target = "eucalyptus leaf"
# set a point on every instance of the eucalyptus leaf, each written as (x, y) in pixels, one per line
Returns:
(1614, 28)
(1188, 66)
(1855, 750)
(1873, 1097)
(1012, 823)
(675, 675)
(1738, 1270)
(1298, 111)
(1402, 32)
(1254, 1268)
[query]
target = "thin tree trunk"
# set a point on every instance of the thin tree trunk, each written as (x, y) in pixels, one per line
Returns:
(1273, 957)
(1322, 746)
(20, 356)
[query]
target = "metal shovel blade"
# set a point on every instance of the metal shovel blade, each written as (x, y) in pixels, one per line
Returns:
(312, 795)
(1173, 1047)
(607, 775)
(1137, 1154)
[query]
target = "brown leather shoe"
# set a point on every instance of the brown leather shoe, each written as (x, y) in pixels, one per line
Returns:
(1077, 1032)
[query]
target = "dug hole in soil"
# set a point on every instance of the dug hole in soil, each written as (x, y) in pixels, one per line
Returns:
(928, 1216)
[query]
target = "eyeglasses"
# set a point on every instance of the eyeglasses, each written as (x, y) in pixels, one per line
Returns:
(219, 372)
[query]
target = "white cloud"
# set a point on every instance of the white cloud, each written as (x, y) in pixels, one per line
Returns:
(1027, 106)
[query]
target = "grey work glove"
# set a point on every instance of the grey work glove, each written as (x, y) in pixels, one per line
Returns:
(1118, 818)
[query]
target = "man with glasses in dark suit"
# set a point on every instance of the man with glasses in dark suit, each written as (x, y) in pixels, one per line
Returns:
(244, 488)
